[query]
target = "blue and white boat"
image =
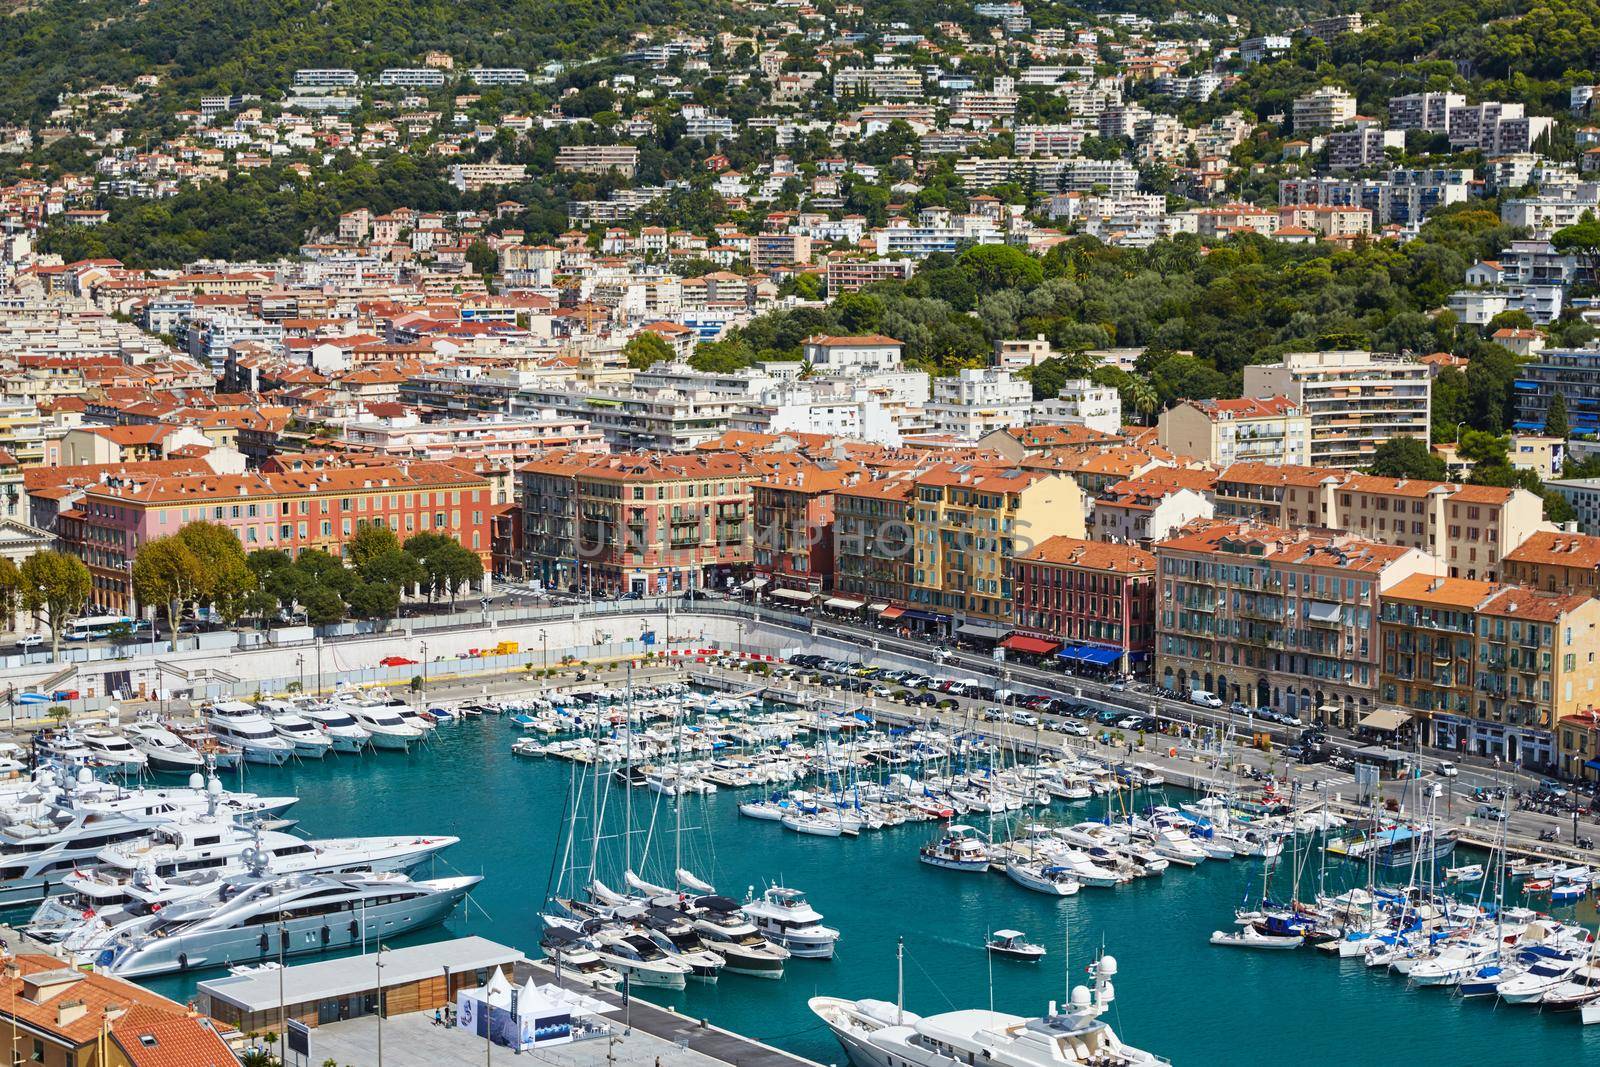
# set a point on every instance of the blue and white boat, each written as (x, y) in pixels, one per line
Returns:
(958, 849)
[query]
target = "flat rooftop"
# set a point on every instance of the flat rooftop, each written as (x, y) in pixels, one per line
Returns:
(355, 974)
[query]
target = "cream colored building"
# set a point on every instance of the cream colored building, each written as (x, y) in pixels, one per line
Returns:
(1469, 528)
(1250, 429)
(970, 522)
(1355, 400)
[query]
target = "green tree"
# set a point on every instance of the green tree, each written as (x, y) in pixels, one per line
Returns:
(322, 606)
(10, 591)
(1555, 418)
(397, 568)
(369, 543)
(225, 575)
(1582, 237)
(167, 575)
(483, 259)
(645, 349)
(373, 600)
(448, 565)
(995, 267)
(55, 585)
(1406, 457)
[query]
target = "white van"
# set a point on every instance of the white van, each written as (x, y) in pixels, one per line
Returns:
(1204, 699)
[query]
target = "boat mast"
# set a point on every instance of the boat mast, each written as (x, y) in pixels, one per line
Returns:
(627, 761)
(900, 976)
(677, 800)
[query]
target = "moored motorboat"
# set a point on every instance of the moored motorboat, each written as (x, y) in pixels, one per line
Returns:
(1014, 944)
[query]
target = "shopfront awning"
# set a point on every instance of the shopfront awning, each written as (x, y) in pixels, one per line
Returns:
(1385, 720)
(756, 583)
(1090, 654)
(1033, 646)
(878, 609)
(892, 612)
(986, 631)
(922, 616)
(839, 603)
(1592, 764)
(798, 596)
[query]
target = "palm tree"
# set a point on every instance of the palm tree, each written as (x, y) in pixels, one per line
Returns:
(1142, 396)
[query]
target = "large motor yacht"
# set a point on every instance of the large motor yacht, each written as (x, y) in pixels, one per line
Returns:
(784, 916)
(241, 725)
(258, 916)
(876, 1033)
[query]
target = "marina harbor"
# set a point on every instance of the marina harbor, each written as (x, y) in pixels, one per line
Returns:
(783, 857)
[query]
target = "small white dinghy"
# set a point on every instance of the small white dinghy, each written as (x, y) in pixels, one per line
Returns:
(1250, 937)
(1014, 943)
(1472, 872)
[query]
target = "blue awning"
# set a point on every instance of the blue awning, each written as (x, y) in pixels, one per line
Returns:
(1592, 764)
(1527, 425)
(924, 616)
(1525, 385)
(1101, 657)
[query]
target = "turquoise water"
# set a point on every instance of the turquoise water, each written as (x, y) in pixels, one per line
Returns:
(1177, 995)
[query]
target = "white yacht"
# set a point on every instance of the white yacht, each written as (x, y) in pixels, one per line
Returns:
(163, 749)
(1049, 878)
(345, 734)
(783, 915)
(108, 747)
(639, 959)
(576, 960)
(876, 1033)
(735, 938)
(387, 728)
(308, 737)
(239, 724)
(413, 716)
(243, 919)
(184, 860)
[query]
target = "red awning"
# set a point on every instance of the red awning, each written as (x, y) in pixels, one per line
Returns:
(1034, 646)
(892, 613)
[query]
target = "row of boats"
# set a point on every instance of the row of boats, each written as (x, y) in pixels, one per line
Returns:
(664, 937)
(268, 731)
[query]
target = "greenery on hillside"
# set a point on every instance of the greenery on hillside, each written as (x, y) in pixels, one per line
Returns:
(1203, 315)
(256, 45)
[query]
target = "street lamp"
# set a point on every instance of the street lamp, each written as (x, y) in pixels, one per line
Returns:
(424, 668)
(544, 645)
(300, 665)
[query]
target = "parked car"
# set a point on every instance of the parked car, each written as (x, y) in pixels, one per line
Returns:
(31, 641)
(1204, 698)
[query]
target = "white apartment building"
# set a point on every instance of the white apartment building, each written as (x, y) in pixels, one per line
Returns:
(498, 76)
(1355, 400)
(975, 402)
(1326, 108)
(878, 83)
(325, 78)
(412, 77)
(1424, 111)
(1082, 403)
(847, 355)
(1222, 432)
